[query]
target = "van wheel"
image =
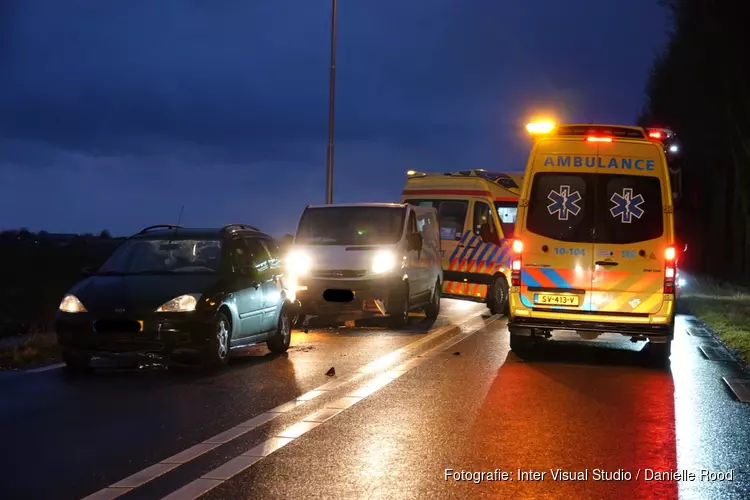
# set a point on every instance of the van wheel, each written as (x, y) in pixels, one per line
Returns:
(432, 311)
(497, 296)
(521, 345)
(658, 354)
(398, 306)
(282, 336)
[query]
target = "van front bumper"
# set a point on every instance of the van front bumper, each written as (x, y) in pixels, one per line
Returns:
(315, 294)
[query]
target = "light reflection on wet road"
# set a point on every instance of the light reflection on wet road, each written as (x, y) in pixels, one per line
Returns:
(463, 402)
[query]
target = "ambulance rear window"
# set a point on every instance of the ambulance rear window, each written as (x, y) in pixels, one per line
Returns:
(561, 206)
(630, 207)
(601, 208)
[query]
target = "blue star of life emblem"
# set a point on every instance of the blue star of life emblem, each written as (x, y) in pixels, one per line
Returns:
(564, 203)
(627, 206)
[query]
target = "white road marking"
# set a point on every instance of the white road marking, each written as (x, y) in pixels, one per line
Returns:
(380, 364)
(46, 368)
(199, 487)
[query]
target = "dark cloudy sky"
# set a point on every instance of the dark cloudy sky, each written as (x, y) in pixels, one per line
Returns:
(114, 114)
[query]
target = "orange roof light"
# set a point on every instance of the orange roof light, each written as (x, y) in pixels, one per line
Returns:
(592, 138)
(540, 127)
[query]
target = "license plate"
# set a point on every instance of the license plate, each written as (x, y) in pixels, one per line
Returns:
(552, 299)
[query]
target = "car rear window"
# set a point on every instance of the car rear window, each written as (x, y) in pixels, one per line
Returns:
(601, 208)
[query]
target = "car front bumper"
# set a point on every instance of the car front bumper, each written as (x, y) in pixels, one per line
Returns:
(162, 335)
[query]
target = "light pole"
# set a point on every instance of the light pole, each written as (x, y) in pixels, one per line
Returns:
(331, 101)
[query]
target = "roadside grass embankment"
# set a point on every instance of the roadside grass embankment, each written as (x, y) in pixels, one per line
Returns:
(723, 307)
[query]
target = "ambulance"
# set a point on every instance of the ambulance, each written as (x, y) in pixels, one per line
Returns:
(594, 249)
(477, 216)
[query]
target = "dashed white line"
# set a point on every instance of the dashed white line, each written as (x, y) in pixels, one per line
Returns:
(384, 362)
(226, 471)
(46, 368)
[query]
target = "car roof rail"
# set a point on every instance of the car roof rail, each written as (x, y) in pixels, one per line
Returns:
(240, 226)
(159, 226)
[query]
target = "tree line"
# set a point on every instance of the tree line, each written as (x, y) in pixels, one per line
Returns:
(700, 88)
(36, 269)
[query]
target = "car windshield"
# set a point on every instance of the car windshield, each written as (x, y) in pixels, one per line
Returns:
(159, 256)
(351, 226)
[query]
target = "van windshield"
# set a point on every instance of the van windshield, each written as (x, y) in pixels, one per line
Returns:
(601, 208)
(351, 226)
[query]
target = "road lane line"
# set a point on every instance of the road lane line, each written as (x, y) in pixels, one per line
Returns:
(199, 487)
(171, 463)
(46, 368)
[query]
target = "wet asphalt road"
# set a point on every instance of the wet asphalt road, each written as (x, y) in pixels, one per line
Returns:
(454, 398)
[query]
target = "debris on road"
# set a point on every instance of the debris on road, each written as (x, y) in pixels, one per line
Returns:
(331, 372)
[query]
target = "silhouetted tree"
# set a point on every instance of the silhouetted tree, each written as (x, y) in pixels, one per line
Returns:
(105, 235)
(700, 87)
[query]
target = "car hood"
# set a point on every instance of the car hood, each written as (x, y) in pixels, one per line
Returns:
(138, 293)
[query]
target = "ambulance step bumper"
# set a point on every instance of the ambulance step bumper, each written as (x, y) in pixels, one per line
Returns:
(524, 327)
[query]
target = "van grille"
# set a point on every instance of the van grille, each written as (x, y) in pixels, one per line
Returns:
(340, 273)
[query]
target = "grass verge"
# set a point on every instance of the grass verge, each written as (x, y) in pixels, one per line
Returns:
(37, 348)
(725, 308)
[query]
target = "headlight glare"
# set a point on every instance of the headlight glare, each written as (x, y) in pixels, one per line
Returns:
(382, 262)
(298, 263)
(71, 304)
(183, 303)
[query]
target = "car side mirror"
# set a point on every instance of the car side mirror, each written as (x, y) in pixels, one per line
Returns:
(486, 234)
(415, 242)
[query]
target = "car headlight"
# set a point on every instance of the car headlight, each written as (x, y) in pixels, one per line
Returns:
(183, 303)
(71, 304)
(382, 262)
(298, 263)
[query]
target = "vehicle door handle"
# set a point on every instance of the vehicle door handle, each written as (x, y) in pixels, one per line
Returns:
(605, 263)
(461, 245)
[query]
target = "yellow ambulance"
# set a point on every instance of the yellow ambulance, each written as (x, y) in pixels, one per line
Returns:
(477, 216)
(594, 249)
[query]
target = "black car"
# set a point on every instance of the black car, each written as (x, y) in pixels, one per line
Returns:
(169, 291)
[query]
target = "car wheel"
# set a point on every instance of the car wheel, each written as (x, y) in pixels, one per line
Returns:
(521, 345)
(76, 362)
(218, 354)
(658, 354)
(497, 296)
(398, 307)
(282, 336)
(432, 311)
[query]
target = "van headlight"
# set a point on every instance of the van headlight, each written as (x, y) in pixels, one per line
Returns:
(298, 263)
(382, 262)
(183, 303)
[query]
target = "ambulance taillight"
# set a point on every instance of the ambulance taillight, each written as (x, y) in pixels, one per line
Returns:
(594, 138)
(670, 270)
(515, 266)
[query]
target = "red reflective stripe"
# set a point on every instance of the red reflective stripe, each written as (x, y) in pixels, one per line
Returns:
(465, 192)
(506, 199)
